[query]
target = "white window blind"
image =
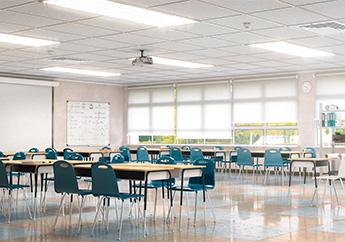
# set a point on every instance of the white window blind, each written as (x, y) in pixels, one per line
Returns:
(151, 111)
(330, 85)
(204, 111)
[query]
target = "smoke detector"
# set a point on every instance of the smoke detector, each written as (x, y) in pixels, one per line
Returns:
(325, 28)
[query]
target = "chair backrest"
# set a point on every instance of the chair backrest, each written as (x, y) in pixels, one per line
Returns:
(166, 160)
(126, 153)
(123, 147)
(104, 181)
(65, 180)
(244, 157)
(51, 154)
(219, 147)
(273, 157)
(186, 147)
(19, 156)
(3, 176)
(118, 158)
(284, 149)
(176, 154)
(33, 150)
(196, 154)
(311, 152)
(105, 148)
(66, 153)
(49, 148)
(75, 156)
(2, 154)
(208, 172)
(142, 154)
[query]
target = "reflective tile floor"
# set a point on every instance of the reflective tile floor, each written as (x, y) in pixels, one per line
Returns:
(245, 210)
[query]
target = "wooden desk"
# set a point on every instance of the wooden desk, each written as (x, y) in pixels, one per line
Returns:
(285, 154)
(158, 151)
(29, 155)
(35, 167)
(309, 162)
(88, 153)
(146, 172)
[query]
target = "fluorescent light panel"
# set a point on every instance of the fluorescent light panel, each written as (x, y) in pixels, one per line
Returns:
(179, 63)
(122, 11)
(80, 71)
(291, 49)
(20, 40)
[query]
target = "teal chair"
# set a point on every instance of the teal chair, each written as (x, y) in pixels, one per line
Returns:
(75, 156)
(186, 147)
(244, 158)
(286, 160)
(142, 154)
(311, 152)
(176, 154)
(118, 158)
(19, 156)
(33, 150)
(65, 183)
(5, 185)
(126, 152)
(197, 184)
(106, 148)
(196, 154)
(156, 184)
(66, 153)
(51, 154)
(105, 186)
(2, 154)
(273, 159)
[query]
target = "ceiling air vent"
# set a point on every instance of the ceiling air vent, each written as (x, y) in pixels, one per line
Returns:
(324, 28)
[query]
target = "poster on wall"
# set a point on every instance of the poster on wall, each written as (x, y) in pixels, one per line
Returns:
(88, 123)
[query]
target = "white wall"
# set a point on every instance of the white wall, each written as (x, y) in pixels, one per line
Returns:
(75, 91)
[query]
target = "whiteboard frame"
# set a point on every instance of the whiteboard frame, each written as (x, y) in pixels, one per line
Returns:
(81, 101)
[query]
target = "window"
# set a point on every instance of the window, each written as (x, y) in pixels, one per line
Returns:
(234, 112)
(265, 112)
(330, 90)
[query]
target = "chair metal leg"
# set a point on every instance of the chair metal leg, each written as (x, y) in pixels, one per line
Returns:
(70, 210)
(121, 220)
(10, 208)
(155, 206)
(195, 207)
(98, 208)
(59, 211)
(26, 204)
(80, 212)
(335, 192)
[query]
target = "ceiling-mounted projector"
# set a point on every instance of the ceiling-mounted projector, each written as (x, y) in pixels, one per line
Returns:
(142, 60)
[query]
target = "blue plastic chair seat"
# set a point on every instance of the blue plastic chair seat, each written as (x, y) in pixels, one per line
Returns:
(193, 187)
(84, 192)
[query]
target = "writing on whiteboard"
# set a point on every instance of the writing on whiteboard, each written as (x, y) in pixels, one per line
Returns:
(88, 123)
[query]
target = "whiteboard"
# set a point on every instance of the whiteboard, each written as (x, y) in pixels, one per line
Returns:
(88, 123)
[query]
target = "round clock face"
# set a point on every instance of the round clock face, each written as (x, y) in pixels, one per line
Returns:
(306, 87)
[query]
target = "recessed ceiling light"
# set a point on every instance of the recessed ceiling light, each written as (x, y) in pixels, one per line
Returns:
(291, 49)
(172, 62)
(80, 71)
(122, 11)
(21, 40)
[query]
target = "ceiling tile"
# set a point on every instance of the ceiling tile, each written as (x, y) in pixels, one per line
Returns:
(249, 6)
(195, 9)
(165, 34)
(80, 29)
(315, 42)
(133, 39)
(244, 38)
(291, 16)
(205, 29)
(283, 33)
(9, 28)
(332, 9)
(207, 42)
(237, 22)
(12, 3)
(48, 35)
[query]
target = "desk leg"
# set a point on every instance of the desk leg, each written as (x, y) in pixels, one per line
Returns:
(204, 196)
(290, 173)
(35, 194)
(181, 198)
(315, 176)
(145, 205)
